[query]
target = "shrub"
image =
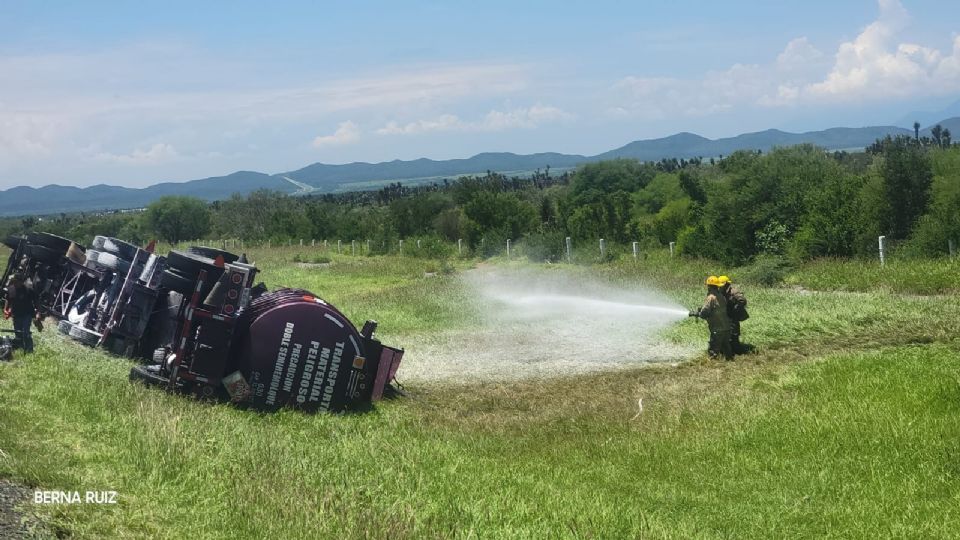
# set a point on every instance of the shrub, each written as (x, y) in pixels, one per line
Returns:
(766, 270)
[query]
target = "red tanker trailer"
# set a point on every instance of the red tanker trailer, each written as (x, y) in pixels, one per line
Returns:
(266, 350)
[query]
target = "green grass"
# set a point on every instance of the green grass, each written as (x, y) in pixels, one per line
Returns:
(925, 276)
(845, 424)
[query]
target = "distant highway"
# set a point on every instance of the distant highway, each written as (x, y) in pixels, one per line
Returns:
(302, 189)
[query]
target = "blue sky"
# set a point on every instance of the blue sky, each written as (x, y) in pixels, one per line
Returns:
(133, 93)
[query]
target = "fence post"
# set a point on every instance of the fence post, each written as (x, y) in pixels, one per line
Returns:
(882, 241)
(602, 248)
(672, 245)
(301, 242)
(353, 247)
(313, 242)
(368, 246)
(325, 245)
(401, 247)
(339, 247)
(508, 248)
(569, 245)
(635, 246)
(459, 246)
(418, 243)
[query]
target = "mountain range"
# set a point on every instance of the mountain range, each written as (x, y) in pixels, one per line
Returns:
(325, 178)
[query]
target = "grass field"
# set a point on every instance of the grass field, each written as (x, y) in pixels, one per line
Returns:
(846, 423)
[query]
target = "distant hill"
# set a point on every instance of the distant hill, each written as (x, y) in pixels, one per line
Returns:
(321, 175)
(324, 178)
(929, 118)
(54, 199)
(953, 124)
(688, 145)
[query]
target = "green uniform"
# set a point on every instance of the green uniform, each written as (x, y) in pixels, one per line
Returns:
(737, 311)
(714, 311)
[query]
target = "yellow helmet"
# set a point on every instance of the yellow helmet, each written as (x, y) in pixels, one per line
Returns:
(713, 280)
(723, 280)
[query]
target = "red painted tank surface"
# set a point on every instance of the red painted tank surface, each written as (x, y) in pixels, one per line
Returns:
(301, 352)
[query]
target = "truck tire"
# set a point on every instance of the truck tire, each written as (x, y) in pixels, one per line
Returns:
(87, 337)
(44, 254)
(51, 241)
(174, 281)
(213, 253)
(190, 264)
(12, 241)
(121, 249)
(147, 376)
(109, 261)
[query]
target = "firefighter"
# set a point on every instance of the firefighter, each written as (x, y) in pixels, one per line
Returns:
(714, 311)
(22, 303)
(736, 310)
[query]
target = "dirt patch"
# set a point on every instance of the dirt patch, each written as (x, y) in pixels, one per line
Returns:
(16, 522)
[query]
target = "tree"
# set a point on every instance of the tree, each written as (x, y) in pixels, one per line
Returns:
(937, 134)
(499, 216)
(175, 218)
(942, 223)
(907, 174)
(600, 201)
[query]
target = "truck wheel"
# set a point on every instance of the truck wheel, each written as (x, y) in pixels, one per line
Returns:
(148, 376)
(113, 262)
(51, 241)
(175, 282)
(213, 253)
(44, 254)
(190, 264)
(123, 250)
(64, 327)
(12, 242)
(87, 337)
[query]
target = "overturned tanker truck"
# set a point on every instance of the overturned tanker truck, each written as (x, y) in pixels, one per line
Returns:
(205, 329)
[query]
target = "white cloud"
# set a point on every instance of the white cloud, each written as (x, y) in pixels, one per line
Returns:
(112, 100)
(517, 118)
(27, 134)
(155, 155)
(445, 122)
(526, 118)
(652, 98)
(346, 133)
(873, 66)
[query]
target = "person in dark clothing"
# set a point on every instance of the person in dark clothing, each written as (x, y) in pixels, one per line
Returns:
(22, 302)
(714, 311)
(736, 310)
